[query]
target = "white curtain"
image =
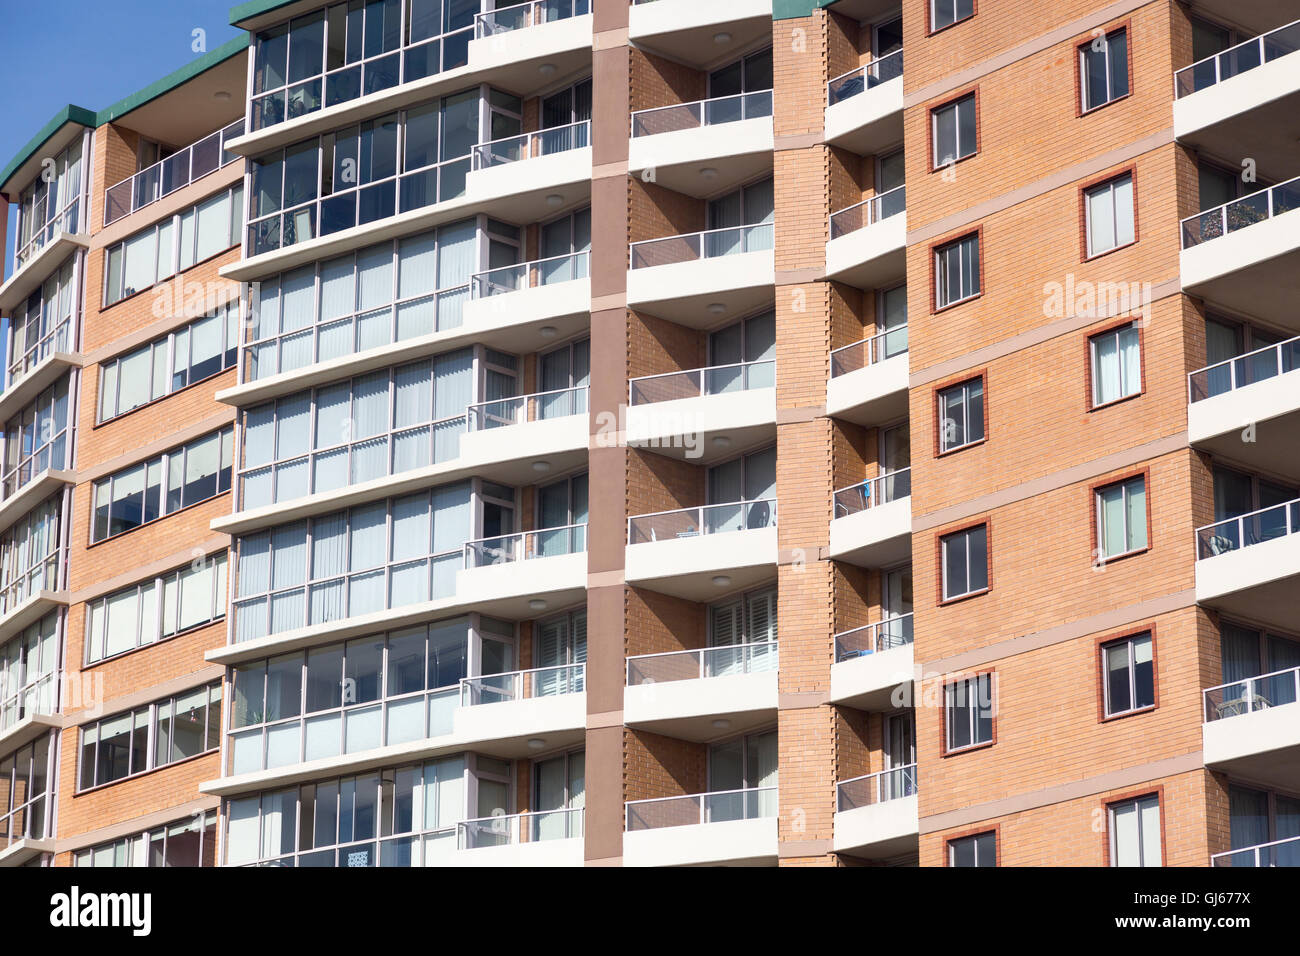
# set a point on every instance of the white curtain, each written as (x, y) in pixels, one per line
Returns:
(375, 276)
(417, 261)
(298, 294)
(453, 377)
(368, 542)
(411, 527)
(329, 546)
(451, 516)
(413, 394)
(370, 405)
(333, 413)
(337, 288)
(289, 555)
(254, 564)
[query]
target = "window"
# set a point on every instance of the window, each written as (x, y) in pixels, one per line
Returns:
(141, 261)
(1135, 832)
(51, 204)
(961, 415)
(953, 130)
(741, 221)
(177, 479)
(43, 324)
(1108, 209)
(25, 792)
(944, 13)
(30, 556)
(156, 609)
(1259, 817)
(36, 438)
(188, 842)
(1122, 518)
(192, 353)
(1103, 69)
(29, 667)
(957, 271)
(965, 562)
(161, 733)
(1128, 675)
(1116, 358)
(980, 849)
(968, 713)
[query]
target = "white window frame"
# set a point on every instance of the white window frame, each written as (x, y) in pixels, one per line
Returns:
(1094, 249)
(944, 287)
(1124, 373)
(969, 707)
(1129, 643)
(973, 839)
(1083, 70)
(1125, 492)
(964, 534)
(1137, 804)
(965, 388)
(960, 150)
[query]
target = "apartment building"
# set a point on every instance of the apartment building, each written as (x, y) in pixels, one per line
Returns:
(583, 432)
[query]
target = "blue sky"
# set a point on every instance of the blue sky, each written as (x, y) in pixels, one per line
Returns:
(92, 53)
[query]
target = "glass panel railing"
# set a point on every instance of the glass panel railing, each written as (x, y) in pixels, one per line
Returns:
(530, 275)
(876, 788)
(526, 546)
(168, 175)
(713, 112)
(1237, 60)
(864, 78)
(523, 685)
(1252, 694)
(750, 804)
(65, 221)
(752, 658)
(545, 142)
(868, 211)
(869, 351)
(874, 491)
(1257, 366)
(873, 638)
(1246, 530)
(524, 15)
(709, 519)
(702, 245)
(515, 828)
(698, 382)
(1240, 213)
(520, 409)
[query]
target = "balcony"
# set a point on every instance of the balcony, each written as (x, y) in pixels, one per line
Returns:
(705, 414)
(509, 43)
(539, 838)
(507, 438)
(869, 379)
(702, 694)
(1252, 729)
(62, 234)
(36, 370)
(498, 715)
(693, 552)
(168, 175)
(518, 575)
(871, 663)
(864, 107)
(533, 169)
(1278, 853)
(1245, 254)
(733, 827)
(522, 298)
(1249, 94)
(698, 33)
(1250, 565)
(877, 815)
(871, 523)
(868, 242)
(704, 148)
(695, 278)
(1257, 389)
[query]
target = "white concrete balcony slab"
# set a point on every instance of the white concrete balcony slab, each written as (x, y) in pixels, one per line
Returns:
(868, 242)
(540, 173)
(872, 521)
(698, 33)
(693, 552)
(1245, 254)
(735, 828)
(1248, 94)
(512, 45)
(694, 279)
(519, 438)
(31, 492)
(21, 733)
(1252, 729)
(706, 147)
(877, 816)
(24, 389)
(541, 838)
(705, 414)
(533, 569)
(874, 665)
(1248, 408)
(43, 254)
(864, 107)
(555, 291)
(1250, 565)
(22, 609)
(869, 379)
(21, 852)
(702, 694)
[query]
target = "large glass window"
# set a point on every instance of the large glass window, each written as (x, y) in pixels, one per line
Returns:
(36, 438)
(192, 353)
(173, 245)
(377, 556)
(188, 842)
(156, 609)
(382, 294)
(1135, 832)
(25, 792)
(957, 271)
(42, 325)
(944, 13)
(51, 204)
(29, 669)
(961, 415)
(143, 739)
(30, 555)
(186, 475)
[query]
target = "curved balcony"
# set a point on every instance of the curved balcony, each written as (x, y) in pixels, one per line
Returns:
(1252, 728)
(1250, 565)
(510, 300)
(868, 241)
(869, 379)
(694, 278)
(872, 662)
(537, 838)
(702, 694)
(877, 815)
(532, 169)
(518, 575)
(692, 552)
(698, 33)
(706, 147)
(1276, 853)
(734, 827)
(864, 107)
(55, 240)
(680, 414)
(871, 523)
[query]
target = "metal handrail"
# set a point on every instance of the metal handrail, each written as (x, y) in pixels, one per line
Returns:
(507, 829)
(876, 637)
(152, 183)
(498, 21)
(1252, 700)
(1218, 544)
(745, 652)
(1255, 851)
(502, 553)
(702, 799)
(714, 111)
(478, 417)
(483, 285)
(500, 688)
(701, 527)
(1267, 46)
(871, 347)
(1287, 360)
(865, 494)
(1240, 213)
(882, 70)
(878, 208)
(756, 237)
(549, 141)
(877, 793)
(702, 379)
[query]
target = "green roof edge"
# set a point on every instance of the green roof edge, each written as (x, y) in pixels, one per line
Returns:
(794, 9)
(255, 8)
(69, 114)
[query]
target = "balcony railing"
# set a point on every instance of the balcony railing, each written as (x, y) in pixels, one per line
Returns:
(709, 519)
(876, 788)
(515, 828)
(526, 546)
(1278, 853)
(527, 408)
(866, 77)
(702, 245)
(874, 491)
(869, 351)
(1238, 59)
(1240, 213)
(524, 15)
(1268, 362)
(1252, 694)
(753, 803)
(671, 386)
(27, 357)
(523, 685)
(1252, 528)
(530, 275)
(868, 211)
(544, 142)
(873, 638)
(714, 112)
(168, 175)
(753, 658)
(66, 220)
